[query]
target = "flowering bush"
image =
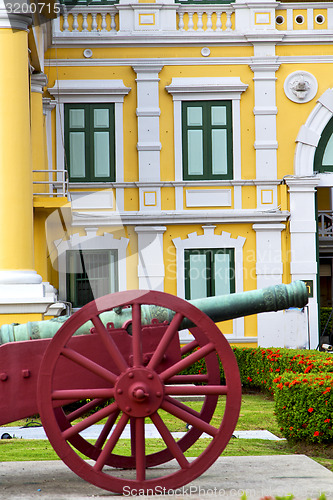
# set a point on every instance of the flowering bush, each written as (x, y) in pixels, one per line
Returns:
(304, 406)
(259, 367)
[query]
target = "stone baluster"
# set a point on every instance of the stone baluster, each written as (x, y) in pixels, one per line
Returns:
(113, 21)
(228, 24)
(65, 26)
(209, 21)
(94, 22)
(75, 25)
(190, 22)
(84, 22)
(200, 23)
(181, 21)
(218, 21)
(103, 24)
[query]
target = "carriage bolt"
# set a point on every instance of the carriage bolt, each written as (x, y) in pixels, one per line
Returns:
(158, 394)
(25, 373)
(131, 375)
(128, 408)
(119, 391)
(3, 376)
(150, 376)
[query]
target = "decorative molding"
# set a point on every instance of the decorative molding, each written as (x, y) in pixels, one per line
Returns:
(208, 197)
(91, 241)
(186, 89)
(211, 240)
(151, 270)
(89, 91)
(300, 86)
(206, 87)
(37, 82)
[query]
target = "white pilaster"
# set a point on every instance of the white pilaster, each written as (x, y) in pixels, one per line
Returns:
(148, 113)
(265, 111)
(269, 269)
(150, 253)
(303, 259)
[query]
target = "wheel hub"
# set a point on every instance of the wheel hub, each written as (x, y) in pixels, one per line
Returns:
(139, 392)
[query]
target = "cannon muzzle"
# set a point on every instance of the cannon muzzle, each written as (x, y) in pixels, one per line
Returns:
(218, 308)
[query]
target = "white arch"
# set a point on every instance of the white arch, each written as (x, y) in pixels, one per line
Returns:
(310, 133)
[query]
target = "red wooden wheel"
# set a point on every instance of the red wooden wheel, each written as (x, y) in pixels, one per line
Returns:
(97, 367)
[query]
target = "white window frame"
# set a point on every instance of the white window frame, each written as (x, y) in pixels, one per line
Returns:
(209, 240)
(207, 89)
(85, 92)
(91, 241)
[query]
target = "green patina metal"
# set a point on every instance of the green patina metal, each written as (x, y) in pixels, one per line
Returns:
(218, 308)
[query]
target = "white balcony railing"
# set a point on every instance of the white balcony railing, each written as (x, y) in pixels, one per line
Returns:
(105, 20)
(325, 224)
(53, 183)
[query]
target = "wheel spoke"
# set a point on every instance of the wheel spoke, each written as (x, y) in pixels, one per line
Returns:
(197, 389)
(140, 454)
(169, 440)
(136, 335)
(77, 394)
(109, 344)
(177, 403)
(165, 341)
(104, 455)
(189, 418)
(88, 364)
(188, 361)
(189, 347)
(91, 420)
(106, 429)
(84, 409)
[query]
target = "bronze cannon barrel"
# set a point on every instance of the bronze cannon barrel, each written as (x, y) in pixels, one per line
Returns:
(218, 308)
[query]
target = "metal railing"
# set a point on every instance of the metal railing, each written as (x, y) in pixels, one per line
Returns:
(53, 183)
(325, 224)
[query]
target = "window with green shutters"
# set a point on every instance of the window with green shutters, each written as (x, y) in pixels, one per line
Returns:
(324, 153)
(90, 274)
(207, 140)
(209, 272)
(90, 142)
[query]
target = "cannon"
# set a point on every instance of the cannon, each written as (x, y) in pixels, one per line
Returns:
(119, 362)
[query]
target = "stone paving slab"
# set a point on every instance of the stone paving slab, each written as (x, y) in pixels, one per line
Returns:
(228, 478)
(151, 432)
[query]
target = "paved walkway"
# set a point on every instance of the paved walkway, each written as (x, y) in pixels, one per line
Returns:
(151, 432)
(227, 478)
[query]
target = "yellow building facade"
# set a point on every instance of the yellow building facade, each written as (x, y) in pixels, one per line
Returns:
(177, 146)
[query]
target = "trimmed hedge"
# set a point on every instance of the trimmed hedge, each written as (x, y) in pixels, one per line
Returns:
(304, 406)
(301, 382)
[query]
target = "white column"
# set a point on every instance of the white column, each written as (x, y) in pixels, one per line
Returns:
(150, 253)
(269, 270)
(303, 248)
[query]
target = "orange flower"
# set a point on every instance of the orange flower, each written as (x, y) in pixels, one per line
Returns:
(310, 410)
(316, 433)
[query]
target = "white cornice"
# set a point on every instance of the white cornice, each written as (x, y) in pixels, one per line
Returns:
(177, 61)
(179, 87)
(70, 90)
(38, 82)
(14, 21)
(185, 217)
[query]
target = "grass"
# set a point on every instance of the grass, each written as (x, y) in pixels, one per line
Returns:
(257, 413)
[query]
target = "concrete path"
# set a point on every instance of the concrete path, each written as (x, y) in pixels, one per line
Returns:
(228, 478)
(151, 432)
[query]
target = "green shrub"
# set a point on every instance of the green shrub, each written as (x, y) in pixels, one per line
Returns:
(304, 406)
(260, 366)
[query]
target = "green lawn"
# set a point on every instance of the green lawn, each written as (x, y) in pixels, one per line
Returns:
(257, 412)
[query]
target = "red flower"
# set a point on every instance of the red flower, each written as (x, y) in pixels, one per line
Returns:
(310, 410)
(249, 379)
(316, 433)
(327, 420)
(290, 428)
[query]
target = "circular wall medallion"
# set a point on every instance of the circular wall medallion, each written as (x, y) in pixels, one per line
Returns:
(87, 53)
(205, 51)
(300, 86)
